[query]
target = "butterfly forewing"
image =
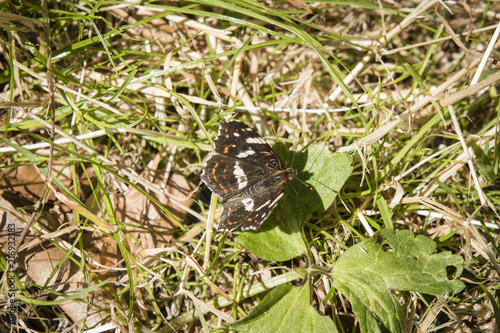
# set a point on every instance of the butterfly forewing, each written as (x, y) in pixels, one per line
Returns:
(238, 140)
(247, 174)
(228, 177)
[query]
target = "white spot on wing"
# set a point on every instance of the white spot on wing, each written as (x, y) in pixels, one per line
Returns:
(248, 202)
(250, 227)
(241, 178)
(276, 200)
(236, 134)
(219, 132)
(255, 140)
(265, 204)
(244, 154)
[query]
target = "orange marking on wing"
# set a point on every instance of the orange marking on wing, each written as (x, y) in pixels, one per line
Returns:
(226, 149)
(215, 167)
(249, 219)
(222, 187)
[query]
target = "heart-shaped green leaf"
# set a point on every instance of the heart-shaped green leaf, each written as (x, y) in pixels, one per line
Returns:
(285, 309)
(279, 237)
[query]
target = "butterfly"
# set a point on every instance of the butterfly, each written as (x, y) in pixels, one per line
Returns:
(247, 175)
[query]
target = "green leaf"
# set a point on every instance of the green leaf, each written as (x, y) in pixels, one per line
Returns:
(285, 309)
(324, 171)
(483, 162)
(273, 244)
(279, 237)
(384, 211)
(370, 270)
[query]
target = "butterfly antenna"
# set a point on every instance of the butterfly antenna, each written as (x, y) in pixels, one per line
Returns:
(304, 183)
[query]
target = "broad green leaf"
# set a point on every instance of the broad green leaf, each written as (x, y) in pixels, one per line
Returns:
(369, 271)
(377, 309)
(279, 237)
(324, 171)
(273, 243)
(285, 309)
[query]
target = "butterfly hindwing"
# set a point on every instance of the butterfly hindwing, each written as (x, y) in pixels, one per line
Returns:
(250, 212)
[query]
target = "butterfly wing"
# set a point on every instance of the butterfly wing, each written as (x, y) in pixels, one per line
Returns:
(246, 168)
(251, 211)
(227, 176)
(240, 141)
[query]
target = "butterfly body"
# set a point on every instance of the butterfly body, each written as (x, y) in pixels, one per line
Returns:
(278, 179)
(247, 174)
